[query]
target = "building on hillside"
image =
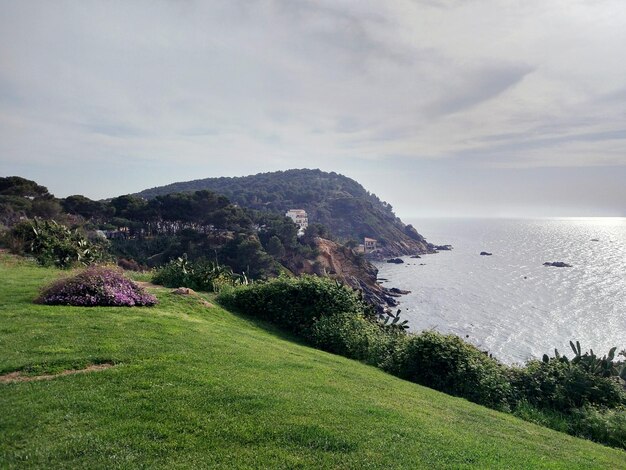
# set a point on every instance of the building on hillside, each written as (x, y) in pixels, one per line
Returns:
(299, 218)
(369, 245)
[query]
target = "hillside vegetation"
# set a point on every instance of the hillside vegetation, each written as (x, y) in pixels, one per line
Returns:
(333, 200)
(199, 225)
(193, 386)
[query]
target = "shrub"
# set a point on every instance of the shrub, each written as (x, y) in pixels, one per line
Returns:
(52, 244)
(605, 426)
(293, 303)
(96, 286)
(174, 274)
(552, 419)
(348, 334)
(447, 363)
(562, 385)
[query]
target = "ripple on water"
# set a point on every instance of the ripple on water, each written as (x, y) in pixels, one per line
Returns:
(509, 303)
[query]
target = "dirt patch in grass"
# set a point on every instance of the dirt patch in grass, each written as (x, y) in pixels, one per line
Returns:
(146, 284)
(19, 376)
(192, 293)
(184, 291)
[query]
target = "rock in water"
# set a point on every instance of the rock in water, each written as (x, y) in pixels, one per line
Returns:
(395, 261)
(394, 291)
(558, 264)
(485, 253)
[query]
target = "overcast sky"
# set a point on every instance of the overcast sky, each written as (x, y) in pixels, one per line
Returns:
(468, 107)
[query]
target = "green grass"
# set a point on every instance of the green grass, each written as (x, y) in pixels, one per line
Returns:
(202, 388)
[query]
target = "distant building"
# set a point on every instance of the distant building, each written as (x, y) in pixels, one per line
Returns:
(115, 234)
(369, 245)
(299, 218)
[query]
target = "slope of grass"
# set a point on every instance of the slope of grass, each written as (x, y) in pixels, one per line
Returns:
(201, 387)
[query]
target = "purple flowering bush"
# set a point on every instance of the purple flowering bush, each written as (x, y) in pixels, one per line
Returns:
(96, 286)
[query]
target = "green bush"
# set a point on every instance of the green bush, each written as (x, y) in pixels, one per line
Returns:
(605, 426)
(348, 334)
(447, 363)
(52, 244)
(552, 419)
(293, 303)
(386, 352)
(562, 385)
(601, 425)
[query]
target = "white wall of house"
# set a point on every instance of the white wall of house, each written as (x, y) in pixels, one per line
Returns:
(300, 218)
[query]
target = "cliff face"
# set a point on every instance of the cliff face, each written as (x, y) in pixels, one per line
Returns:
(410, 242)
(343, 264)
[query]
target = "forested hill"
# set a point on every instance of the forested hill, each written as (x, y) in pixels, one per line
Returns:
(341, 204)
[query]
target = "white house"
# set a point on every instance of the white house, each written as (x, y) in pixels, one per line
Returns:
(299, 218)
(369, 245)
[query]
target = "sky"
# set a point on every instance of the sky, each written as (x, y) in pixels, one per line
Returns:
(442, 108)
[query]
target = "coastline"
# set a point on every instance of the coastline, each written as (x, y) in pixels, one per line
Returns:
(510, 303)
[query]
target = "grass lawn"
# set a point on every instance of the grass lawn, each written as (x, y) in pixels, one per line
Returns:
(200, 387)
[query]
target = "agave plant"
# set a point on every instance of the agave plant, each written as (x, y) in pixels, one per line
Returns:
(395, 321)
(52, 244)
(606, 366)
(199, 275)
(602, 367)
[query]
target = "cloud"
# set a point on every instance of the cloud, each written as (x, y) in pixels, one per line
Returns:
(476, 86)
(232, 87)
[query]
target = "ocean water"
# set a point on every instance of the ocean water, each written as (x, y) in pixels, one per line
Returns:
(509, 303)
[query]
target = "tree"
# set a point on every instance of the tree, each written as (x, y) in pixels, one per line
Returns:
(313, 231)
(352, 243)
(245, 254)
(18, 186)
(89, 209)
(275, 247)
(129, 207)
(45, 208)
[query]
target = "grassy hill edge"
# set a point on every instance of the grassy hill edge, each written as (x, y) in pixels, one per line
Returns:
(198, 386)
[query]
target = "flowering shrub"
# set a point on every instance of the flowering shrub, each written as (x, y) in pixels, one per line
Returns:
(96, 286)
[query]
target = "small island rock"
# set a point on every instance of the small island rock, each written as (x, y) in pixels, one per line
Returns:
(395, 291)
(485, 253)
(395, 261)
(558, 264)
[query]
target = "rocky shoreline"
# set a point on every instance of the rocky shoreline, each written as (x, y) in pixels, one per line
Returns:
(357, 271)
(345, 265)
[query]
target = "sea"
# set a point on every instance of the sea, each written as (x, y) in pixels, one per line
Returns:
(509, 303)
